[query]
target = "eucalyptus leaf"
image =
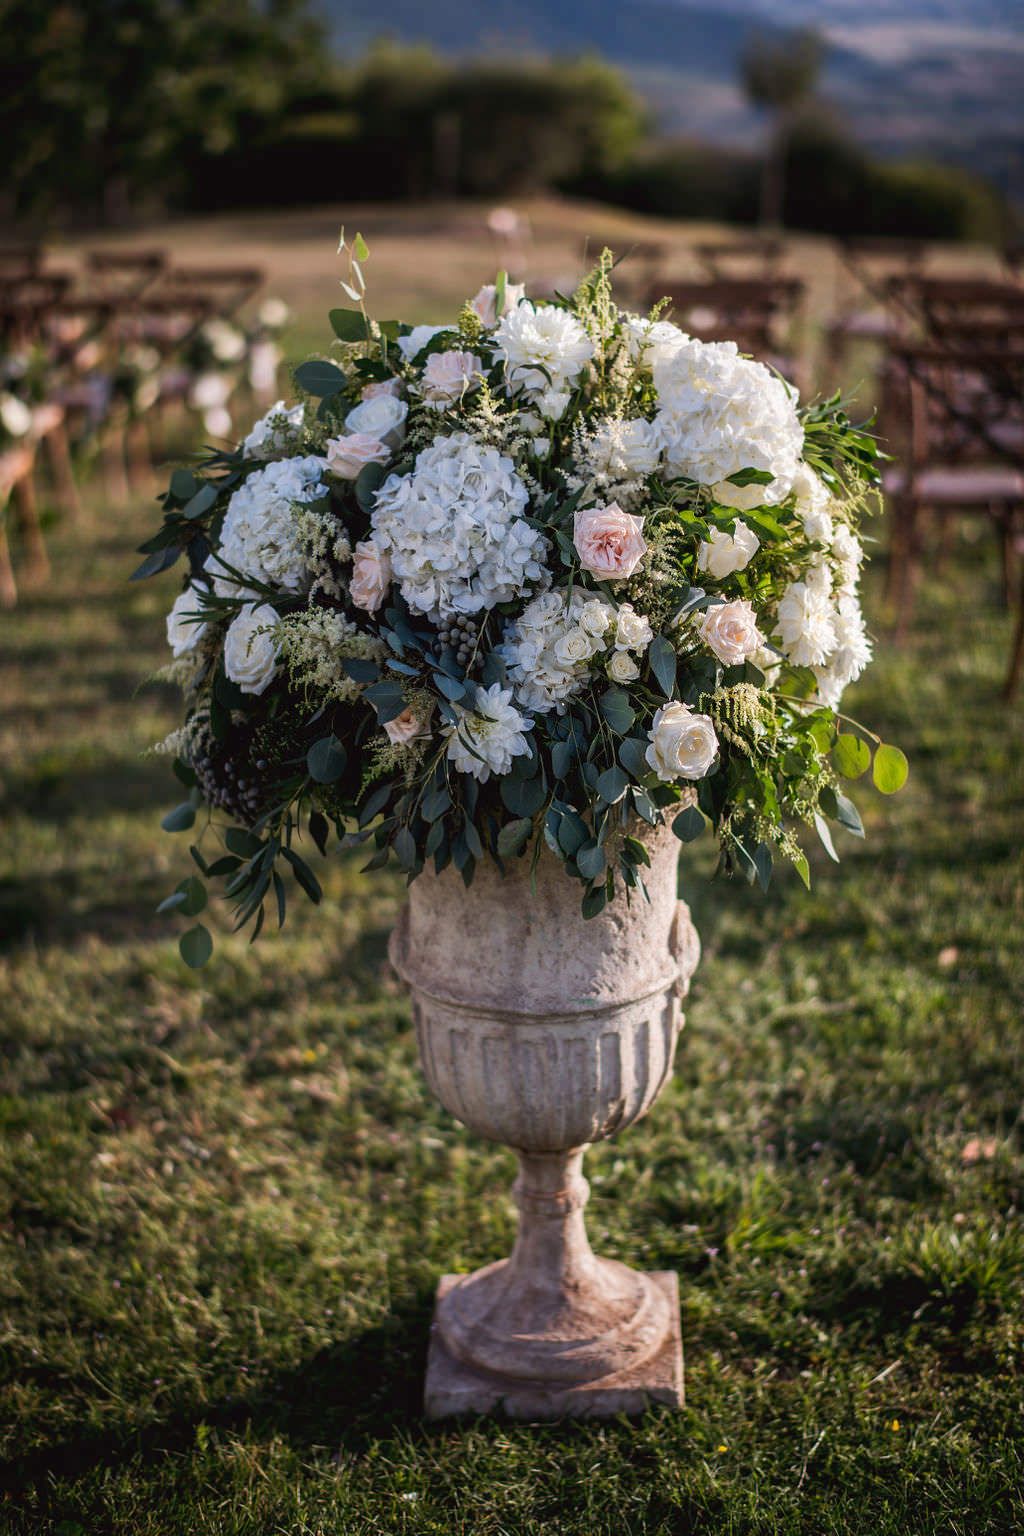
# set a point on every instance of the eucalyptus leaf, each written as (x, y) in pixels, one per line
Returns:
(890, 769)
(196, 946)
(851, 756)
(662, 657)
(324, 380)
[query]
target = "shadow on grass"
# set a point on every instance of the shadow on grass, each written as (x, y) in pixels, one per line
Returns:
(344, 1397)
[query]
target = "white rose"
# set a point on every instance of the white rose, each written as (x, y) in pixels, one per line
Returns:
(730, 630)
(183, 632)
(412, 345)
(622, 668)
(573, 647)
(725, 553)
(250, 652)
(450, 375)
(595, 617)
(346, 456)
(382, 417)
(650, 341)
(682, 745)
(633, 630)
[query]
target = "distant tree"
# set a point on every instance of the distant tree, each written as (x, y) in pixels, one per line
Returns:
(104, 104)
(779, 77)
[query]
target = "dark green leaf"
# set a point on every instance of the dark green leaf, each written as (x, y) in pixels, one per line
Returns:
(324, 380)
(304, 875)
(246, 844)
(662, 657)
(590, 860)
(689, 824)
(617, 710)
(368, 482)
(523, 797)
(196, 946)
(612, 784)
(326, 760)
(180, 819)
(513, 837)
(160, 560)
(183, 485)
(633, 756)
(348, 324)
(201, 502)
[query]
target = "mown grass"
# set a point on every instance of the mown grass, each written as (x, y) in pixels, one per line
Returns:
(228, 1196)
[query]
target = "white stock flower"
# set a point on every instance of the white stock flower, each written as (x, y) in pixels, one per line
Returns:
(184, 632)
(484, 302)
(720, 413)
(725, 553)
(633, 630)
(456, 530)
(813, 500)
(543, 347)
(622, 668)
(847, 554)
(274, 431)
(805, 623)
(730, 631)
(487, 738)
(449, 376)
(382, 416)
(259, 537)
(412, 345)
(250, 650)
(544, 663)
(682, 745)
(851, 653)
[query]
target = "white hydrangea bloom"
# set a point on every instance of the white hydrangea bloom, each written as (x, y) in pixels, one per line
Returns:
(544, 349)
(456, 531)
(274, 431)
(260, 536)
(487, 738)
(617, 457)
(549, 647)
(720, 413)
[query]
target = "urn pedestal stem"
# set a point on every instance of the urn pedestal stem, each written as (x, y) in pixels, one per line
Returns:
(563, 1035)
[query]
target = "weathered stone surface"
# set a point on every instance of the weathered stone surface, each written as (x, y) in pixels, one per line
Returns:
(545, 1032)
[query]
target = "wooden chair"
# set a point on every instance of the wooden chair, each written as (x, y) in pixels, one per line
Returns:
(225, 288)
(873, 313)
(123, 274)
(758, 315)
(960, 418)
(757, 256)
(962, 312)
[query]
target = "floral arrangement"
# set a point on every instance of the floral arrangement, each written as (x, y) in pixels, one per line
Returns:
(545, 575)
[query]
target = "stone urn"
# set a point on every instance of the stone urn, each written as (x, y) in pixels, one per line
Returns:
(545, 1032)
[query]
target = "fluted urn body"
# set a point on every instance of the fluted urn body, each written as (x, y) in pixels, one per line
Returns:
(546, 1032)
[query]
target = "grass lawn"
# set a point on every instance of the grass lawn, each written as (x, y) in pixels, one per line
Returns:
(228, 1196)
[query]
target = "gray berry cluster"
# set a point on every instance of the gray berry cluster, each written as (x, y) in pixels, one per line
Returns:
(461, 635)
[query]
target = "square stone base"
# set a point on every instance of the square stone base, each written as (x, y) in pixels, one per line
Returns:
(453, 1388)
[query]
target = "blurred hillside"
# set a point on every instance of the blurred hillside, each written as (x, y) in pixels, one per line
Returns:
(925, 77)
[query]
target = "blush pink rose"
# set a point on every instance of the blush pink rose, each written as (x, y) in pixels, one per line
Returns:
(381, 387)
(485, 304)
(730, 630)
(450, 375)
(406, 727)
(609, 542)
(371, 576)
(346, 456)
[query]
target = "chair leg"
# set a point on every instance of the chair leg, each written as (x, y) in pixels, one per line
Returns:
(37, 561)
(8, 585)
(59, 453)
(1008, 550)
(1013, 674)
(114, 472)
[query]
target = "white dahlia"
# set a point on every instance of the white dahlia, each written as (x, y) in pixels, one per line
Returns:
(720, 413)
(544, 349)
(456, 531)
(486, 739)
(805, 623)
(261, 537)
